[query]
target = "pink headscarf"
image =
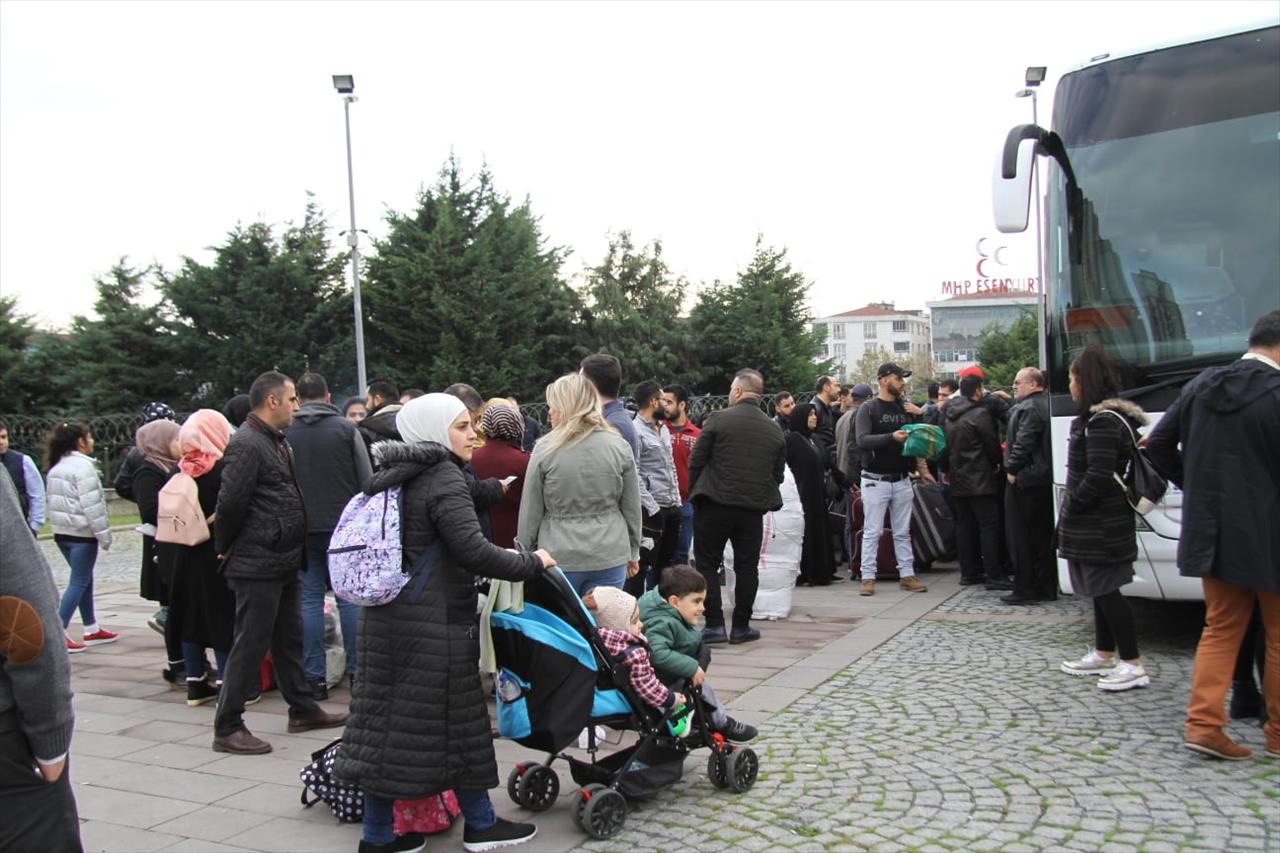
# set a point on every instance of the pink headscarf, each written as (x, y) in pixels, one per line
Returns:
(202, 439)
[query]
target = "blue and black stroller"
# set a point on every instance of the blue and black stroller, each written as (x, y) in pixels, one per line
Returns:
(555, 679)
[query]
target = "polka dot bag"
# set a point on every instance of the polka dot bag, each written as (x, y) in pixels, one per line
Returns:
(345, 800)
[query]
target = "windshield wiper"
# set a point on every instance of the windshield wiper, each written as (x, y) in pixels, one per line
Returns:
(1176, 377)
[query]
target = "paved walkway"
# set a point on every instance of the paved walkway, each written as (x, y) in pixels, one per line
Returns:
(901, 721)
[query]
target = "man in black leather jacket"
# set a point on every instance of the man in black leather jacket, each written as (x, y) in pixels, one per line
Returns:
(1028, 499)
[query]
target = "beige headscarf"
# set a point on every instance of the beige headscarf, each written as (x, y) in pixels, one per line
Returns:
(613, 607)
(155, 442)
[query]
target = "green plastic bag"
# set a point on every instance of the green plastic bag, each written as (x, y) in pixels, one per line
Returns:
(924, 441)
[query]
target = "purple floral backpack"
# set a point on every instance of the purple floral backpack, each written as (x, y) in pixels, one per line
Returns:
(366, 560)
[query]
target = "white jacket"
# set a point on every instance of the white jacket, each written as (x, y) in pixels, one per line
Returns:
(76, 503)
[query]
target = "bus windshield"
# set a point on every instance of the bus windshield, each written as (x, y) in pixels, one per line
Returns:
(1177, 154)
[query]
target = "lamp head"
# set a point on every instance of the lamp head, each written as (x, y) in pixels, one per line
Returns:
(344, 83)
(1035, 75)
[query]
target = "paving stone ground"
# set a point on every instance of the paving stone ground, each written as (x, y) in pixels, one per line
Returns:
(897, 722)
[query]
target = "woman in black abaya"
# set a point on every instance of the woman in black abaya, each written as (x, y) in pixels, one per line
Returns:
(808, 466)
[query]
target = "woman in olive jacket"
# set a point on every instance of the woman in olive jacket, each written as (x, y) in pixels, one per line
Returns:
(1095, 524)
(419, 725)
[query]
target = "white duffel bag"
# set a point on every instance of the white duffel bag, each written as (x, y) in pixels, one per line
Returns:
(780, 545)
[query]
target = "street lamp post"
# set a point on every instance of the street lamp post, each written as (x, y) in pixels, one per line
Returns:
(346, 85)
(1034, 77)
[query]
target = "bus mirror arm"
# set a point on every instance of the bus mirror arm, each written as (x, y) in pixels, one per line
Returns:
(1048, 144)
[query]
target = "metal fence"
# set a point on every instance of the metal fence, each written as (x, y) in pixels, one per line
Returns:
(113, 434)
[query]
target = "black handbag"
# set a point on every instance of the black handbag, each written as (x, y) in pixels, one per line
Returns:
(1142, 485)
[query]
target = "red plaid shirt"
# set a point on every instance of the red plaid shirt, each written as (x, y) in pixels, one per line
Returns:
(633, 651)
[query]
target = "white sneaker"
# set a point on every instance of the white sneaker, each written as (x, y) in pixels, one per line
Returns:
(1125, 676)
(1091, 664)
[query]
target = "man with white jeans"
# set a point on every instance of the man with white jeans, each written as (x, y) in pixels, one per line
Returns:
(886, 476)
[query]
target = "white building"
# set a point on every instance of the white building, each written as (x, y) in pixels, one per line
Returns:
(958, 324)
(852, 334)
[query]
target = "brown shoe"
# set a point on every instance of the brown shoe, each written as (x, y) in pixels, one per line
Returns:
(1217, 745)
(912, 584)
(319, 720)
(868, 588)
(241, 742)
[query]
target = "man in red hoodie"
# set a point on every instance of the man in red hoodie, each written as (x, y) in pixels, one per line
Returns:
(675, 403)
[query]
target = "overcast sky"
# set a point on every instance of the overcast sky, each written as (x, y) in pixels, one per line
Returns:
(860, 136)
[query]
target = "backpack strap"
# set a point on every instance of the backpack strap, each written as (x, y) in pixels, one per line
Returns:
(1133, 437)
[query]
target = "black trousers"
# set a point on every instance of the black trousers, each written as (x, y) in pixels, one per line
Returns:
(268, 618)
(978, 537)
(715, 524)
(664, 529)
(1028, 514)
(35, 816)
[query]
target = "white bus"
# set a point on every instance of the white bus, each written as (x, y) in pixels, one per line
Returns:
(1161, 230)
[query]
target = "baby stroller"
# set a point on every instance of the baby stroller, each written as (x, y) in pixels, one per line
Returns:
(555, 679)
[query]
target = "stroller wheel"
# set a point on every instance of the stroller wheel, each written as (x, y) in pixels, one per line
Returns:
(603, 814)
(513, 784)
(718, 768)
(742, 766)
(538, 787)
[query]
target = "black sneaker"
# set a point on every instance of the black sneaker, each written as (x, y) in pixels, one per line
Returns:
(176, 676)
(200, 691)
(411, 843)
(737, 731)
(319, 689)
(503, 833)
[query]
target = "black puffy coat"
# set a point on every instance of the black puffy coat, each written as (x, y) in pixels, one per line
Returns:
(418, 721)
(973, 448)
(1095, 523)
(739, 460)
(261, 525)
(1229, 471)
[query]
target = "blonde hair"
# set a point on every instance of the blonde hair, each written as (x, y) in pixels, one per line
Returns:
(577, 407)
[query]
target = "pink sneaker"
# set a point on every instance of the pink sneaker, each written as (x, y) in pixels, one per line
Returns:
(74, 647)
(100, 637)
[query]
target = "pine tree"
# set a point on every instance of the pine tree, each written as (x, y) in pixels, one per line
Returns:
(1002, 352)
(465, 289)
(763, 322)
(16, 330)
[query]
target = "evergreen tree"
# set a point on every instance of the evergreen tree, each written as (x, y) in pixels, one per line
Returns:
(263, 304)
(16, 330)
(762, 321)
(465, 289)
(633, 312)
(869, 363)
(1002, 352)
(124, 356)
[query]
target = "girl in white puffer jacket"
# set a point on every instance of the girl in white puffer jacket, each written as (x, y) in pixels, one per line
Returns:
(77, 512)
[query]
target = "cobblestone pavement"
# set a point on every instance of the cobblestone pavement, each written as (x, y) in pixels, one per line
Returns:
(960, 733)
(115, 568)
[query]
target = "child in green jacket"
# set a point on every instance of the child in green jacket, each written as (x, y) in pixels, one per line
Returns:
(670, 615)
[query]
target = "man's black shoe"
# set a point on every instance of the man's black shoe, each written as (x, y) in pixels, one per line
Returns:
(998, 585)
(970, 581)
(319, 689)
(1018, 598)
(742, 635)
(503, 833)
(411, 843)
(714, 636)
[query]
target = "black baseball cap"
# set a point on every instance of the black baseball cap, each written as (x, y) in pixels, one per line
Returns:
(889, 368)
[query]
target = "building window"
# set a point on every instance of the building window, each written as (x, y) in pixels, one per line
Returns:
(837, 352)
(869, 330)
(870, 347)
(901, 346)
(899, 325)
(837, 331)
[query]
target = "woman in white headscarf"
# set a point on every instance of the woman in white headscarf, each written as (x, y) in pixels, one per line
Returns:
(419, 725)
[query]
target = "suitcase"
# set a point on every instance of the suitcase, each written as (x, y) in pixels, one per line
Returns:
(886, 560)
(933, 527)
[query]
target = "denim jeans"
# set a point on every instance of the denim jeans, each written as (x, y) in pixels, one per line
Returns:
(313, 581)
(194, 661)
(584, 582)
(686, 534)
(79, 593)
(877, 495)
(379, 817)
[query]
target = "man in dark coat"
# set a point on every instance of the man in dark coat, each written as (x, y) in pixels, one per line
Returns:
(826, 394)
(973, 469)
(734, 473)
(1217, 443)
(1028, 500)
(381, 401)
(261, 529)
(332, 464)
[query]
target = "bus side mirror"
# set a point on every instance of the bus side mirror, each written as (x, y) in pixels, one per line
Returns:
(1011, 193)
